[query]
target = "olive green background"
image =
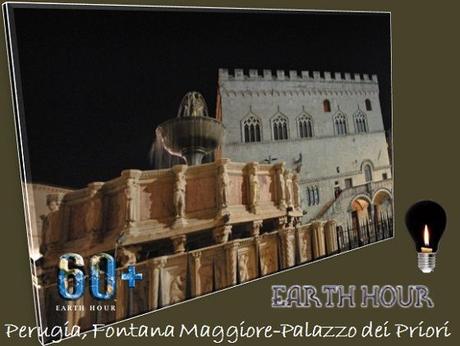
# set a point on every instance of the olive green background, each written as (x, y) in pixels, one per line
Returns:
(425, 113)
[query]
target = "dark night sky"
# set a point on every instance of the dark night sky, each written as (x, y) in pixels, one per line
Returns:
(97, 82)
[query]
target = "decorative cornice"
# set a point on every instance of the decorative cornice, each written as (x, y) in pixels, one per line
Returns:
(296, 139)
(307, 91)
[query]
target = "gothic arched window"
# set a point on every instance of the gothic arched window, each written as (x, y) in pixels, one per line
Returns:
(310, 198)
(368, 173)
(251, 129)
(361, 122)
(340, 124)
(326, 106)
(305, 124)
(280, 127)
(312, 195)
(368, 105)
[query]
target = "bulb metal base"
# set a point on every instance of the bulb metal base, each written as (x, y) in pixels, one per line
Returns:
(426, 261)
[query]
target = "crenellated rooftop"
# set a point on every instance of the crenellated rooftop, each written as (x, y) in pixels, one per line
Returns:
(294, 75)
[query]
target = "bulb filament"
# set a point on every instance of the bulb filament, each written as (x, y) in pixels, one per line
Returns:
(426, 236)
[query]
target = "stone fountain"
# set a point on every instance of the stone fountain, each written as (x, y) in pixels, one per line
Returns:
(193, 133)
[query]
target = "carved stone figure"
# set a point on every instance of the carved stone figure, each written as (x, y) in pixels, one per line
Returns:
(224, 185)
(231, 254)
(254, 187)
(222, 233)
(130, 191)
(280, 169)
(196, 265)
(198, 105)
(289, 189)
(303, 245)
(179, 242)
(176, 291)
(127, 255)
(290, 253)
(255, 228)
(179, 193)
(53, 201)
(193, 105)
(282, 222)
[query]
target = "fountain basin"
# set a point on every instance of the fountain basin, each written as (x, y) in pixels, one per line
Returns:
(191, 137)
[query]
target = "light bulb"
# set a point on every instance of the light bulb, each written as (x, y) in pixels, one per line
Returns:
(426, 221)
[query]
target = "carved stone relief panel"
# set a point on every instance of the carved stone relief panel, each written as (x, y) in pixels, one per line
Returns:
(93, 218)
(51, 298)
(330, 234)
(156, 200)
(116, 204)
(201, 194)
(173, 278)
(304, 235)
(121, 303)
(52, 228)
(266, 188)
(105, 316)
(287, 237)
(77, 220)
(220, 268)
(268, 252)
(237, 194)
(88, 318)
(205, 273)
(247, 261)
(138, 297)
(318, 240)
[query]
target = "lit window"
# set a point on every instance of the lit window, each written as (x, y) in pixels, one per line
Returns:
(326, 106)
(251, 129)
(305, 124)
(340, 124)
(280, 127)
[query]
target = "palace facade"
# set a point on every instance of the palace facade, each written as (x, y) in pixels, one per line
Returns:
(327, 127)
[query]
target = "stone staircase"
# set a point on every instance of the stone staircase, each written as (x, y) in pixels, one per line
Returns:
(343, 200)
